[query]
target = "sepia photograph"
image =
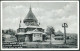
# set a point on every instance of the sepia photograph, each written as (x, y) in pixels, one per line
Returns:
(40, 25)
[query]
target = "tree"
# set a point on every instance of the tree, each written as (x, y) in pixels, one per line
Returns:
(50, 30)
(3, 39)
(11, 32)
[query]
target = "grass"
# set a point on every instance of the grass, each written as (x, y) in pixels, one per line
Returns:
(71, 43)
(44, 45)
(48, 46)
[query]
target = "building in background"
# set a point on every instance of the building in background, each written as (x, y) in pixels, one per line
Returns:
(59, 35)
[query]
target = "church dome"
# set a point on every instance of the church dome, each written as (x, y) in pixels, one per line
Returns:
(30, 16)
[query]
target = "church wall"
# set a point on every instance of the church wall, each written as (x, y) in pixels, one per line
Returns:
(31, 23)
(37, 36)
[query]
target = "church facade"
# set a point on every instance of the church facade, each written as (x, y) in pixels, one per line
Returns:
(29, 29)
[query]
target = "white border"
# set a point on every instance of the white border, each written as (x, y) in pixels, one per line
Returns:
(42, 48)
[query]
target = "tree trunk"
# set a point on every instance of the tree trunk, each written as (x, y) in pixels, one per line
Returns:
(50, 41)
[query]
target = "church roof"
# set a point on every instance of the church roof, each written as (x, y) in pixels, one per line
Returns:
(36, 31)
(20, 33)
(30, 15)
(22, 25)
(59, 33)
(29, 32)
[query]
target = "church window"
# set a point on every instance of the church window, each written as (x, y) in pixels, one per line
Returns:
(38, 35)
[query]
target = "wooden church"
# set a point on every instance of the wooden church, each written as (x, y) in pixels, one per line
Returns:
(29, 29)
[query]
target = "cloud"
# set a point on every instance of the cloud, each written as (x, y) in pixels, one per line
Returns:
(57, 17)
(12, 16)
(52, 17)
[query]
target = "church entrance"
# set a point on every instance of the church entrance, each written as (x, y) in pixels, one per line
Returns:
(43, 37)
(20, 38)
(28, 38)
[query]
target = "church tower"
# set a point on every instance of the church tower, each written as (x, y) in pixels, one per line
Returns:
(30, 19)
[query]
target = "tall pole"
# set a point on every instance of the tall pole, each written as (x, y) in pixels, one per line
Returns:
(65, 35)
(50, 41)
(64, 25)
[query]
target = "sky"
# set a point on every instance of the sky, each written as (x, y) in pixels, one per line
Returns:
(48, 14)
